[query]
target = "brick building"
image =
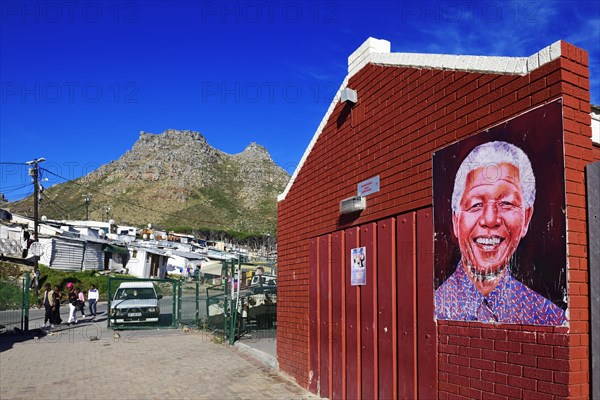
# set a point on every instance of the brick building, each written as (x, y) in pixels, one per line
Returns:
(382, 339)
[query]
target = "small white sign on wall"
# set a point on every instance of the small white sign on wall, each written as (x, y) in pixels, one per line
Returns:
(369, 186)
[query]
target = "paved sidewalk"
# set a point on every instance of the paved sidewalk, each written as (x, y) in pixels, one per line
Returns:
(89, 362)
(261, 345)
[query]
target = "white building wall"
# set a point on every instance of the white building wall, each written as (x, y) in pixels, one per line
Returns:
(136, 265)
(176, 264)
(46, 245)
(596, 125)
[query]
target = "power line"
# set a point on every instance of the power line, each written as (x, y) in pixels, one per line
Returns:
(17, 185)
(57, 210)
(51, 202)
(14, 188)
(195, 219)
(28, 192)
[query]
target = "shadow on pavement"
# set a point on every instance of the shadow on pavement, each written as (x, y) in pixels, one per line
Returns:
(264, 340)
(9, 338)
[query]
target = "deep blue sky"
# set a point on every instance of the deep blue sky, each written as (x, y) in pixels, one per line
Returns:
(80, 80)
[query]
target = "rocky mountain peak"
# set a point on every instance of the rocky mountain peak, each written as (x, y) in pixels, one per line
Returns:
(255, 151)
(172, 137)
(176, 178)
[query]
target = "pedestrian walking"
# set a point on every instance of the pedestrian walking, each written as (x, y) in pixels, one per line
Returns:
(57, 298)
(72, 298)
(35, 280)
(80, 302)
(48, 302)
(93, 297)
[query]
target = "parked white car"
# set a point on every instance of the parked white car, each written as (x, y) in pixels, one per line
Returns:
(135, 302)
(267, 280)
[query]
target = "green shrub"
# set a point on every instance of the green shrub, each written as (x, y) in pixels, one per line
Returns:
(10, 295)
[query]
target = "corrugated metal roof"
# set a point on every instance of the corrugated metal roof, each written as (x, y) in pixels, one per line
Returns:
(188, 255)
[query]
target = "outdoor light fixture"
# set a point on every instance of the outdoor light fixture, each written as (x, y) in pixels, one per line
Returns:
(349, 96)
(36, 161)
(353, 204)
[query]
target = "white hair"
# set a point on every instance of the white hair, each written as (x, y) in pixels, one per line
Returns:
(489, 155)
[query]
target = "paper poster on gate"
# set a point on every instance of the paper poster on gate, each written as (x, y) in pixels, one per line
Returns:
(358, 266)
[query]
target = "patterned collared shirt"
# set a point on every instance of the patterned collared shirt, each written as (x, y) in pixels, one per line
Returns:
(510, 302)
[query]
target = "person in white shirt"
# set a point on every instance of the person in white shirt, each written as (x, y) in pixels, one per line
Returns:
(92, 299)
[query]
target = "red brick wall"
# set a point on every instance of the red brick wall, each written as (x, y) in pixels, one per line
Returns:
(578, 153)
(401, 117)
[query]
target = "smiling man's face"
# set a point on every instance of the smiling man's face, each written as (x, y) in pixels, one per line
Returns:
(491, 221)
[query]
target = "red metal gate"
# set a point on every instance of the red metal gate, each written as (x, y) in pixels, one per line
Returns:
(376, 341)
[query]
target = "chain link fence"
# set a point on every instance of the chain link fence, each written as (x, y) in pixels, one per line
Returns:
(14, 303)
(229, 308)
(142, 303)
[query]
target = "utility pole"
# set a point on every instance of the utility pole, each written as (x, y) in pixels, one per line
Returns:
(34, 172)
(87, 198)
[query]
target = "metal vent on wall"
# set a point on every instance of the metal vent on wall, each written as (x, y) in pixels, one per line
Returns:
(353, 204)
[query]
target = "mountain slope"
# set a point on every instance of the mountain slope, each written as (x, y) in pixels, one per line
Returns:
(175, 179)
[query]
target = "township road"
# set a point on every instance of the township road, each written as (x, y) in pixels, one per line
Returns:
(89, 361)
(11, 318)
